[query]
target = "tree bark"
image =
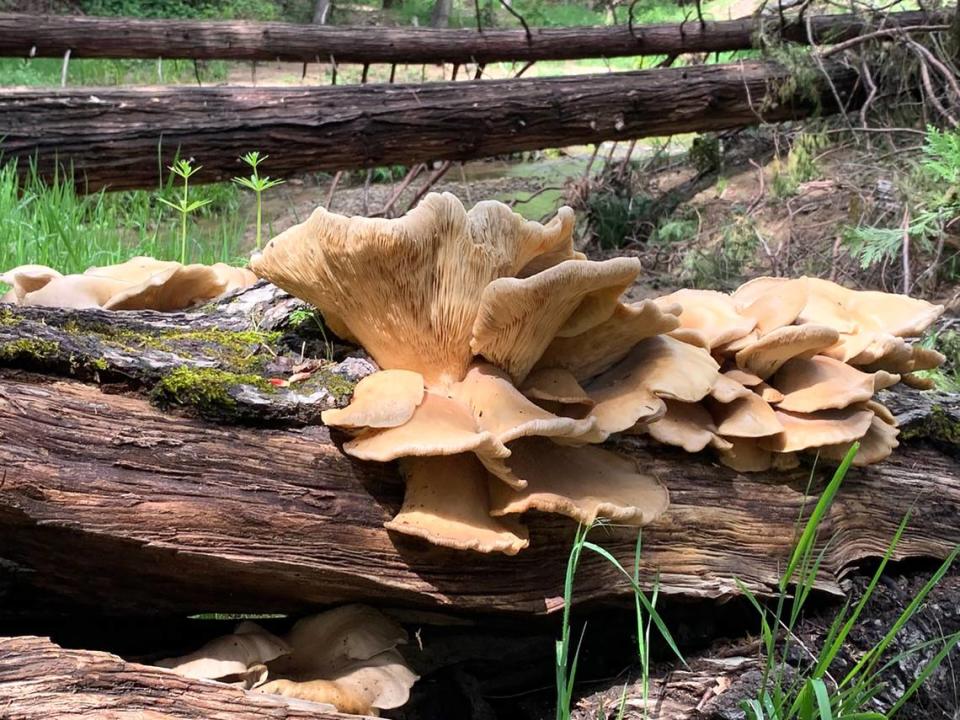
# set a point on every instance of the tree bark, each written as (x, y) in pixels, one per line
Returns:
(41, 681)
(84, 37)
(321, 12)
(176, 515)
(440, 17)
(111, 137)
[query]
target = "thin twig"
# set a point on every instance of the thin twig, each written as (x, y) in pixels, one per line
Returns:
(476, 12)
(466, 185)
(412, 174)
(196, 71)
(906, 250)
(431, 181)
(66, 64)
(333, 70)
(525, 68)
(333, 189)
(886, 32)
(518, 16)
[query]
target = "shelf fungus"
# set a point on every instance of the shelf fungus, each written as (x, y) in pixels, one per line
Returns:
(506, 357)
(141, 283)
(345, 660)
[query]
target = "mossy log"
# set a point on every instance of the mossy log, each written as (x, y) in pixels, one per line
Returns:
(111, 503)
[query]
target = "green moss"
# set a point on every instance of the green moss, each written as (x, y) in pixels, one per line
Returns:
(938, 425)
(99, 364)
(7, 318)
(27, 348)
(337, 385)
(207, 389)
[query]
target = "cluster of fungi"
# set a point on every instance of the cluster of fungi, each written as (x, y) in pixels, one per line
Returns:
(141, 283)
(507, 357)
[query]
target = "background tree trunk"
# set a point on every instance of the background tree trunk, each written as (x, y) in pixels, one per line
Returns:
(321, 12)
(440, 17)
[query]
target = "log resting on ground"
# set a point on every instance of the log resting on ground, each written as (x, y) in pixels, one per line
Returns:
(110, 137)
(108, 502)
(40, 680)
(101, 37)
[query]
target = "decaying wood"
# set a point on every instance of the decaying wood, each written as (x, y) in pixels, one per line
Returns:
(41, 681)
(99, 37)
(111, 137)
(108, 502)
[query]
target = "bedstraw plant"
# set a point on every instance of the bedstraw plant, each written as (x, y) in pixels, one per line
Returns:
(258, 184)
(184, 169)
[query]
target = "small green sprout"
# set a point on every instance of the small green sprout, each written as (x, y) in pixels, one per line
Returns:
(258, 184)
(184, 169)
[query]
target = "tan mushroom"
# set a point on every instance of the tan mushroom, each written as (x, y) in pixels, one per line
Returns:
(174, 288)
(876, 445)
(447, 502)
(687, 425)
(749, 416)
(76, 292)
(235, 654)
(583, 483)
(557, 390)
(384, 399)
(26, 279)
(712, 314)
(518, 318)
(813, 430)
(822, 383)
(764, 357)
(745, 455)
(771, 302)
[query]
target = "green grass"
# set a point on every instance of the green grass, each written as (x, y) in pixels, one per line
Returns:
(786, 692)
(49, 223)
(46, 72)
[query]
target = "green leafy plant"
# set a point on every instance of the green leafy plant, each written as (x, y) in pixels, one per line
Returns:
(258, 184)
(184, 169)
(646, 614)
(814, 693)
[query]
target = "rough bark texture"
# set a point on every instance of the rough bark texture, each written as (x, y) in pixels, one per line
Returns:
(41, 681)
(51, 36)
(173, 514)
(110, 137)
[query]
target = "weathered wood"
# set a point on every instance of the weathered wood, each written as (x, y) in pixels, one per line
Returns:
(100, 37)
(110, 137)
(40, 681)
(172, 514)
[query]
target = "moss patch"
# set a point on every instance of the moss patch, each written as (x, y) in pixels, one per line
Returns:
(27, 349)
(207, 389)
(938, 426)
(7, 318)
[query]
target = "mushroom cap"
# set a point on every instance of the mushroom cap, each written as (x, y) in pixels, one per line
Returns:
(875, 446)
(686, 425)
(232, 654)
(556, 385)
(768, 393)
(771, 304)
(447, 502)
(583, 483)
(134, 271)
(518, 318)
(747, 416)
(77, 292)
(26, 279)
(323, 644)
(822, 383)
(711, 313)
(813, 430)
(657, 368)
(745, 455)
(604, 345)
(174, 288)
(408, 289)
(726, 389)
(764, 357)
(387, 398)
(741, 376)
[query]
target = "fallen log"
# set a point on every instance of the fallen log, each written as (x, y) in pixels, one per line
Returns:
(107, 502)
(39, 679)
(102, 37)
(111, 137)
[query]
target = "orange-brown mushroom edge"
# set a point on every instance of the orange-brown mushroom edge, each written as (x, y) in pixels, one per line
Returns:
(141, 283)
(506, 357)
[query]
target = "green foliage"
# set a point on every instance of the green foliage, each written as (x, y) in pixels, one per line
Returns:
(705, 153)
(800, 165)
(812, 692)
(675, 230)
(258, 184)
(52, 223)
(614, 216)
(186, 9)
(933, 206)
(722, 264)
(646, 614)
(947, 376)
(184, 169)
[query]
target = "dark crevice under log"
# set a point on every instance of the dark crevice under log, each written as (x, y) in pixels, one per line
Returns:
(101, 37)
(110, 137)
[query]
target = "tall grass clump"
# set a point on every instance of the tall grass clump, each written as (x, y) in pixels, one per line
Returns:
(49, 222)
(813, 692)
